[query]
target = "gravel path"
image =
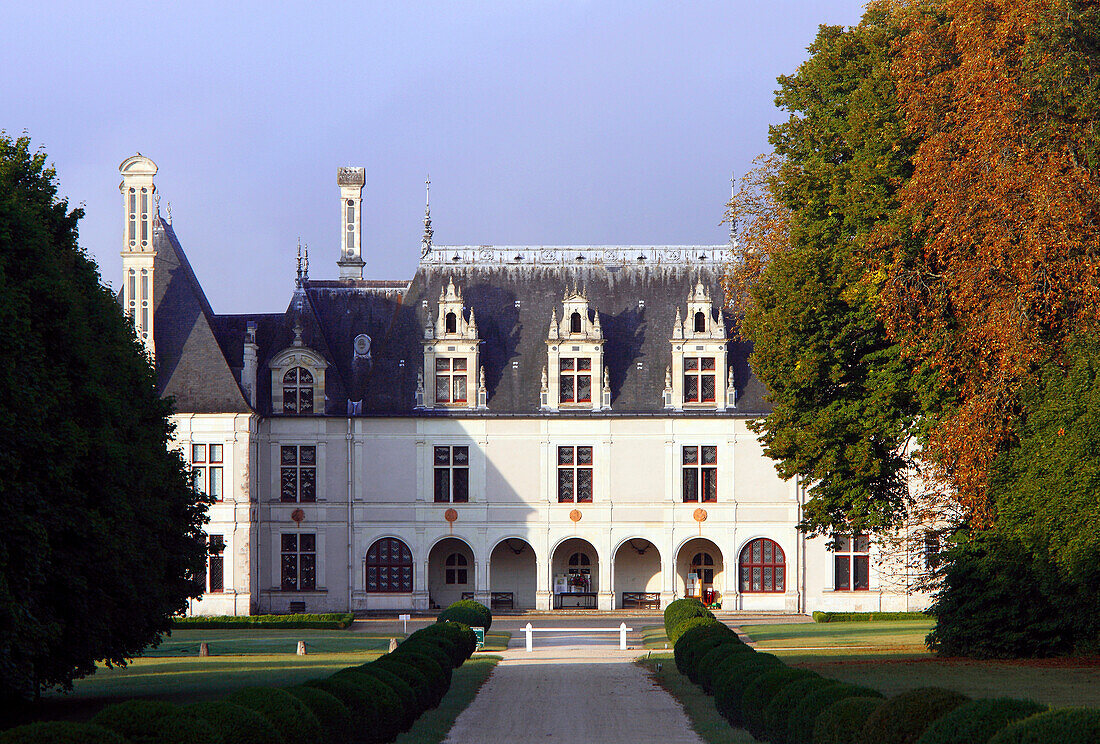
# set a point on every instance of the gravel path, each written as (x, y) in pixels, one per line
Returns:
(571, 694)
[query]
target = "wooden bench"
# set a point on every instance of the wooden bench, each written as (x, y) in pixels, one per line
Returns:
(497, 600)
(641, 601)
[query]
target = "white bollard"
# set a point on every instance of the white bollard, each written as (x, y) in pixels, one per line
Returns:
(527, 630)
(622, 637)
(301, 648)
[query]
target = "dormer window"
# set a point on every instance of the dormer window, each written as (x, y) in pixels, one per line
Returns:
(575, 323)
(451, 380)
(700, 322)
(575, 380)
(699, 384)
(298, 391)
(699, 376)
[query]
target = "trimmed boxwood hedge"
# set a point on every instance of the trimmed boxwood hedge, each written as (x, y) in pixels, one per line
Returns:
(155, 722)
(438, 680)
(468, 612)
(803, 719)
(692, 653)
(693, 632)
(847, 617)
(732, 676)
(60, 732)
(977, 721)
(454, 648)
(410, 705)
(334, 716)
(460, 633)
(712, 659)
(236, 724)
(778, 712)
(288, 714)
(674, 633)
(842, 722)
(1064, 726)
(415, 678)
(432, 651)
(759, 691)
(680, 610)
(366, 712)
(903, 718)
(386, 704)
(319, 621)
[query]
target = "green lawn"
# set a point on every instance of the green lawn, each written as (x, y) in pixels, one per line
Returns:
(887, 637)
(185, 642)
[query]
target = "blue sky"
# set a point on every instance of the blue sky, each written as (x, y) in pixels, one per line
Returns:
(563, 122)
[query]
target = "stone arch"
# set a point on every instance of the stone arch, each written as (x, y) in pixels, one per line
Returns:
(574, 570)
(636, 570)
(700, 556)
(447, 583)
(513, 569)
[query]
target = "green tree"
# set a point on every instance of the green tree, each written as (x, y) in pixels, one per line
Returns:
(845, 403)
(102, 538)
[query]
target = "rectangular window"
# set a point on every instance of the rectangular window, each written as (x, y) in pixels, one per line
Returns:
(575, 475)
(206, 472)
(298, 473)
(852, 563)
(700, 468)
(452, 474)
(299, 562)
(699, 383)
(575, 380)
(450, 380)
(215, 563)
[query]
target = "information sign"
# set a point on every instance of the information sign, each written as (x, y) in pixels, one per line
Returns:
(480, 633)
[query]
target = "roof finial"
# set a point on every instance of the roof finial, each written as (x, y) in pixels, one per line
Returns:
(426, 241)
(733, 220)
(298, 280)
(169, 213)
(305, 263)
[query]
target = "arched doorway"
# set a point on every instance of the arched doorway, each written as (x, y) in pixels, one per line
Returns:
(637, 575)
(575, 574)
(450, 571)
(512, 572)
(700, 571)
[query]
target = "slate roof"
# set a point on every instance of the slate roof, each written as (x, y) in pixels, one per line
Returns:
(200, 355)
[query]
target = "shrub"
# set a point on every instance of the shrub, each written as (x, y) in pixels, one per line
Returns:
(691, 623)
(61, 732)
(432, 651)
(366, 711)
(691, 653)
(320, 621)
(847, 617)
(410, 705)
(155, 722)
(236, 724)
(759, 691)
(335, 718)
(709, 662)
(415, 678)
(803, 719)
(468, 612)
(730, 678)
(438, 679)
(294, 720)
(454, 648)
(387, 705)
(1064, 726)
(842, 722)
(778, 713)
(903, 718)
(461, 634)
(693, 631)
(977, 721)
(680, 611)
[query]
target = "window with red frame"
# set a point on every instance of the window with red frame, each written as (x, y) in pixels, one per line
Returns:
(215, 564)
(852, 563)
(699, 383)
(389, 567)
(450, 380)
(299, 562)
(763, 567)
(575, 475)
(575, 380)
(700, 470)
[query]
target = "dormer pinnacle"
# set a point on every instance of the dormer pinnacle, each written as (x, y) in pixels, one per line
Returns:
(426, 241)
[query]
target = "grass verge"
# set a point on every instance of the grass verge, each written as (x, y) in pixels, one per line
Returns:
(496, 640)
(698, 705)
(434, 725)
(653, 636)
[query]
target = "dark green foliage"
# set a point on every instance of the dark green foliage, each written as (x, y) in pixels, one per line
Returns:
(460, 634)
(712, 659)
(390, 715)
(438, 678)
(759, 691)
(847, 617)
(731, 677)
(977, 721)
(844, 401)
(680, 611)
(429, 649)
(443, 639)
(687, 624)
(468, 612)
(317, 621)
(842, 722)
(156, 722)
(406, 697)
(236, 724)
(1064, 726)
(366, 710)
(903, 718)
(688, 652)
(694, 631)
(778, 713)
(104, 542)
(290, 716)
(415, 678)
(802, 721)
(333, 715)
(60, 732)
